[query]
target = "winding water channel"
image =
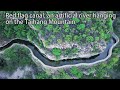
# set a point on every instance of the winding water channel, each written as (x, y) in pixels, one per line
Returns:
(97, 58)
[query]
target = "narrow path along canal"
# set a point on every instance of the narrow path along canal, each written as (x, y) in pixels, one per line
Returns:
(94, 59)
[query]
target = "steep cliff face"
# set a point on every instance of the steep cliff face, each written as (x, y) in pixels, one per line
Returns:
(116, 26)
(87, 36)
(62, 34)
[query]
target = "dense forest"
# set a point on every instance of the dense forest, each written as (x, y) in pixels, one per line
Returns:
(84, 33)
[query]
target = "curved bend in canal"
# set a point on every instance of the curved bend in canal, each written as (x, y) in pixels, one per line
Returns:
(64, 63)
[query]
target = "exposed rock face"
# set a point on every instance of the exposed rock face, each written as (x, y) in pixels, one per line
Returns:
(89, 36)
